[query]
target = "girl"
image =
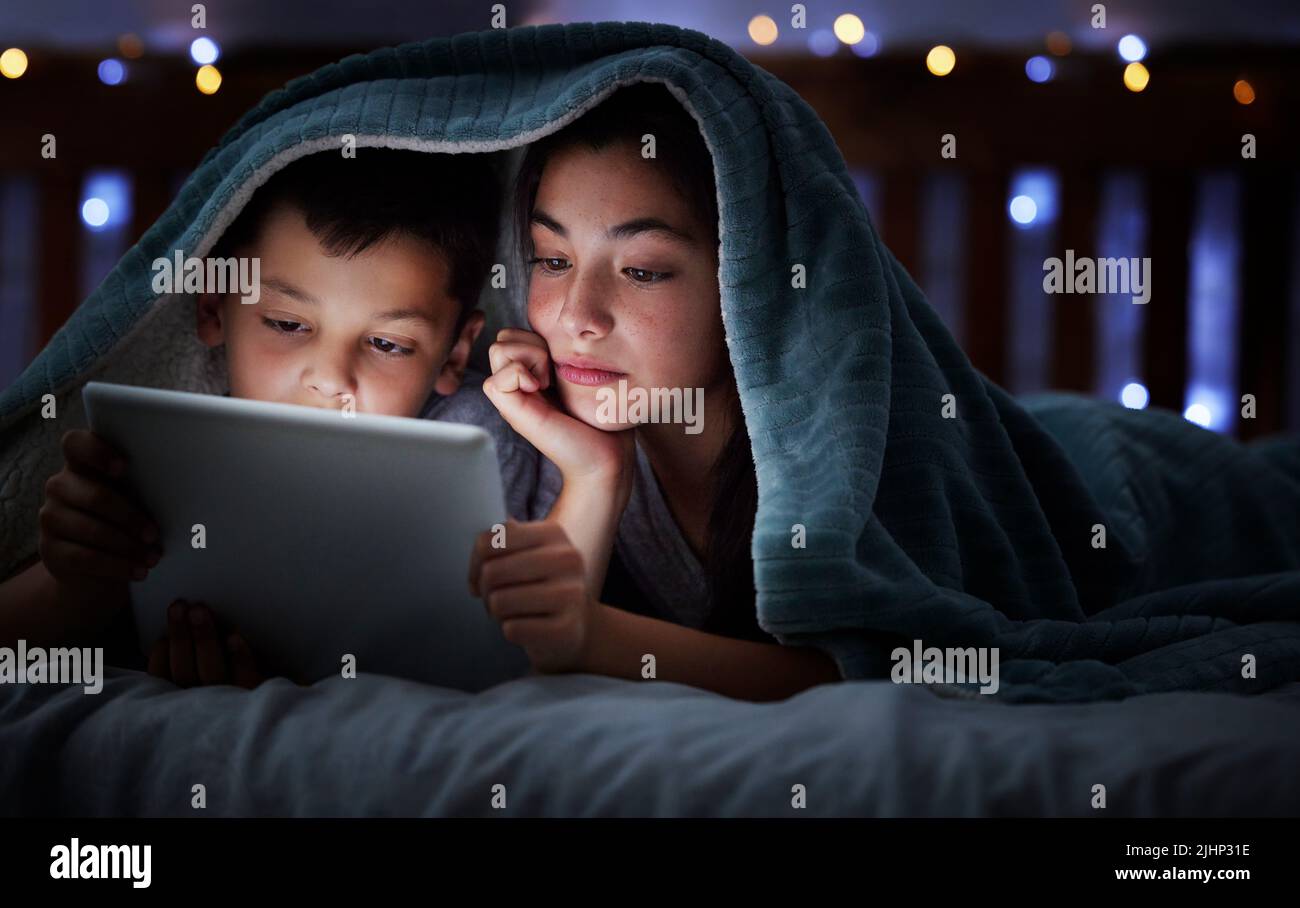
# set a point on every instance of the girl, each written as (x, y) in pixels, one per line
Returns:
(646, 548)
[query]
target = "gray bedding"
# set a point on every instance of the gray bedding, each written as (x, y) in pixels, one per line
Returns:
(583, 745)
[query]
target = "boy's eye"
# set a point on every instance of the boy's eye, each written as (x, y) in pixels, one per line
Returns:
(642, 276)
(384, 345)
(284, 326)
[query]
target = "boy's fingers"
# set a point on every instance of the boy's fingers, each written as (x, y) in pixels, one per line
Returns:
(72, 525)
(85, 451)
(210, 660)
(64, 558)
(96, 497)
(181, 650)
(243, 669)
(159, 658)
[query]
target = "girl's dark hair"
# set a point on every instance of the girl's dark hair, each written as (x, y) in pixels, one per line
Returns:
(680, 153)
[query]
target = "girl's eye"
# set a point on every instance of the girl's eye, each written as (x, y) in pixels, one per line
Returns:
(284, 326)
(642, 276)
(387, 347)
(552, 265)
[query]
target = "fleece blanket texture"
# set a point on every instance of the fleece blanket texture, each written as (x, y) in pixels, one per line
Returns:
(902, 495)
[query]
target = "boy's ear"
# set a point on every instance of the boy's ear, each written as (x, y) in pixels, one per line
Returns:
(207, 319)
(453, 370)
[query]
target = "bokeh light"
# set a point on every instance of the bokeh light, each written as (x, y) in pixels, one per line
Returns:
(1136, 77)
(869, 46)
(208, 79)
(762, 30)
(940, 60)
(849, 28)
(1132, 48)
(1244, 92)
(94, 212)
(204, 51)
(1039, 69)
(13, 63)
(1199, 414)
(130, 46)
(1023, 209)
(823, 43)
(1135, 396)
(1059, 43)
(112, 72)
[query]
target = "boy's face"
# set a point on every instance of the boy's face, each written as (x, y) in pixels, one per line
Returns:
(379, 326)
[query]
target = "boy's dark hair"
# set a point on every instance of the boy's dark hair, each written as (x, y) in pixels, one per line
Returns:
(450, 201)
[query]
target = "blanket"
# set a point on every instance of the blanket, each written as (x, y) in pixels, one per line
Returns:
(903, 496)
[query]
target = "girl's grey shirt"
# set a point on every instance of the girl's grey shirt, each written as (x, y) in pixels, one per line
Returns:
(649, 542)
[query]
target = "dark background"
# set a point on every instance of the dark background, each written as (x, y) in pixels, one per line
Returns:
(1112, 172)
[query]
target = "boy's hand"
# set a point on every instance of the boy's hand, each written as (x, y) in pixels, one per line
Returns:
(93, 537)
(521, 371)
(195, 653)
(537, 591)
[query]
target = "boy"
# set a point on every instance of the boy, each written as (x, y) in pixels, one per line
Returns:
(370, 274)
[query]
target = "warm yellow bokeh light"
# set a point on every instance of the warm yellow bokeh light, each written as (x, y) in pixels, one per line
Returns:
(762, 30)
(208, 79)
(13, 63)
(940, 60)
(849, 28)
(1059, 43)
(1136, 77)
(1244, 92)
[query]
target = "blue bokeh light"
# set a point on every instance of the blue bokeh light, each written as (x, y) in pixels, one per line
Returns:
(204, 51)
(1132, 48)
(112, 72)
(1039, 69)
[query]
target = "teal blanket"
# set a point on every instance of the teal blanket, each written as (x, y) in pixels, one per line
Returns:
(1104, 553)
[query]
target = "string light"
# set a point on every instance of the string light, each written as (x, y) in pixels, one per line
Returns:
(940, 60)
(13, 63)
(1244, 92)
(849, 28)
(1136, 77)
(208, 79)
(762, 30)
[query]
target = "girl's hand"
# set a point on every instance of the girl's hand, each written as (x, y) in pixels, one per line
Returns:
(193, 653)
(536, 588)
(521, 372)
(93, 537)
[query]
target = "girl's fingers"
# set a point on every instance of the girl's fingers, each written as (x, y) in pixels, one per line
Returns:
(159, 658)
(530, 566)
(243, 669)
(511, 377)
(520, 336)
(535, 360)
(181, 651)
(208, 656)
(518, 537)
(526, 600)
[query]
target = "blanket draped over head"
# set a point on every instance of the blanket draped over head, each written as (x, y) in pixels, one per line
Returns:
(1103, 552)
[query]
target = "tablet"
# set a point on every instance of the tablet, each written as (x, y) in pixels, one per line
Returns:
(317, 533)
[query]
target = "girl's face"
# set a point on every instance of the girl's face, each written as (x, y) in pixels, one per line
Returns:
(623, 283)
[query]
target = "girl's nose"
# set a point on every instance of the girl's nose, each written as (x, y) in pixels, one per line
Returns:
(585, 312)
